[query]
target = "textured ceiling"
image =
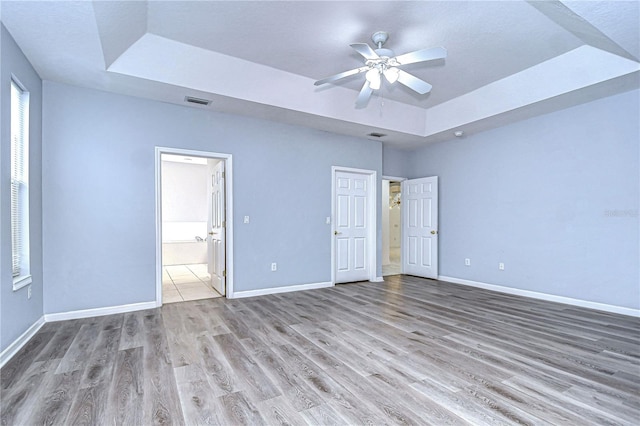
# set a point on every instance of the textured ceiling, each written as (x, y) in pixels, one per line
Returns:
(262, 57)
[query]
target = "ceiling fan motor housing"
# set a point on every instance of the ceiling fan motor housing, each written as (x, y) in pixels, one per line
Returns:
(385, 52)
(380, 38)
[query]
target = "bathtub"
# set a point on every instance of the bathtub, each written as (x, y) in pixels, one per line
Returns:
(179, 243)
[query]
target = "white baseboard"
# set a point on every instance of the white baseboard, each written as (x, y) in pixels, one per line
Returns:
(545, 296)
(285, 289)
(98, 312)
(17, 344)
(377, 280)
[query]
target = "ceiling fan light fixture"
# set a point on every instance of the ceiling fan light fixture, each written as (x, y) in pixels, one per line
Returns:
(373, 77)
(391, 74)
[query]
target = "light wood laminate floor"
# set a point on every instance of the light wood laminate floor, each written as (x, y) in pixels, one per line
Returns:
(406, 351)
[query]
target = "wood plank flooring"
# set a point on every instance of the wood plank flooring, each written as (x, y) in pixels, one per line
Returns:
(407, 351)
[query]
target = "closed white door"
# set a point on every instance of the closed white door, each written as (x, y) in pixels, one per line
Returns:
(351, 226)
(217, 224)
(420, 227)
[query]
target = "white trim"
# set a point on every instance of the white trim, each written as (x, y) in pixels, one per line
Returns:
(393, 178)
(17, 344)
(22, 281)
(377, 280)
(284, 289)
(545, 296)
(98, 312)
(373, 219)
(228, 160)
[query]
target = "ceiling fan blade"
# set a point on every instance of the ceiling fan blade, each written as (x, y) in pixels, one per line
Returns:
(365, 94)
(422, 55)
(365, 50)
(413, 83)
(341, 75)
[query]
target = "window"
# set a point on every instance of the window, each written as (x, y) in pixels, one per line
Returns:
(20, 185)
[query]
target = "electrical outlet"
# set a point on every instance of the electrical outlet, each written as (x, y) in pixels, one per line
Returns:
(246, 219)
(328, 220)
(467, 262)
(29, 292)
(501, 266)
(274, 266)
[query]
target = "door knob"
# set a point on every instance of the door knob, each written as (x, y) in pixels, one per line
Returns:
(336, 233)
(213, 233)
(434, 232)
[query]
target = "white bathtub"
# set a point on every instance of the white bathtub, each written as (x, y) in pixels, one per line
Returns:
(179, 243)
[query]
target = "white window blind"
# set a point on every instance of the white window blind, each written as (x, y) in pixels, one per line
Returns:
(19, 180)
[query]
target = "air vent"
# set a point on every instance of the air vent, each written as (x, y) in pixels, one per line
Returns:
(197, 101)
(376, 135)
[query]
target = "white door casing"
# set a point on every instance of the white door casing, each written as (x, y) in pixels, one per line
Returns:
(353, 222)
(216, 224)
(420, 227)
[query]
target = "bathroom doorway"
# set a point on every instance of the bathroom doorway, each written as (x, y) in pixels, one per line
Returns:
(193, 237)
(391, 227)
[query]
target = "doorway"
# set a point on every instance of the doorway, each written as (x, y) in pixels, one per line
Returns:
(391, 226)
(193, 230)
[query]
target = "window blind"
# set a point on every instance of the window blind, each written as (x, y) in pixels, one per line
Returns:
(19, 179)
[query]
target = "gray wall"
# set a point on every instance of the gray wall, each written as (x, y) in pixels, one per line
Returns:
(395, 161)
(17, 312)
(99, 206)
(555, 198)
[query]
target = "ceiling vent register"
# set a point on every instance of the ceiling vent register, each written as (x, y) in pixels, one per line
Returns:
(198, 101)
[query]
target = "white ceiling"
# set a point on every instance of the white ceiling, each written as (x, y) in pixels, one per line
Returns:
(507, 60)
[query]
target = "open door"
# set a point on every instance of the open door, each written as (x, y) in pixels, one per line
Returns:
(217, 225)
(420, 227)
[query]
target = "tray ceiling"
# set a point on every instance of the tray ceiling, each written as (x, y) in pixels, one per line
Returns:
(506, 60)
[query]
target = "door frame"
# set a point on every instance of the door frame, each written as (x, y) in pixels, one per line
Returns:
(399, 179)
(372, 216)
(227, 158)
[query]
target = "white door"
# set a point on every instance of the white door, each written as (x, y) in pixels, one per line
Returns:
(216, 225)
(420, 227)
(351, 226)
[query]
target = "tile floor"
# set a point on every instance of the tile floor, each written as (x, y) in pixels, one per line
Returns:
(186, 282)
(394, 267)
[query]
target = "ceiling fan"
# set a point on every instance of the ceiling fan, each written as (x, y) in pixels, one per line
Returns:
(383, 62)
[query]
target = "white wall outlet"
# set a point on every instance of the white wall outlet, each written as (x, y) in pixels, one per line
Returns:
(274, 266)
(501, 266)
(328, 220)
(246, 219)
(467, 262)
(29, 292)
